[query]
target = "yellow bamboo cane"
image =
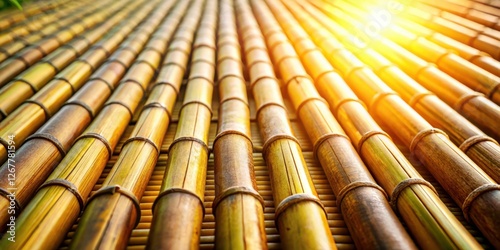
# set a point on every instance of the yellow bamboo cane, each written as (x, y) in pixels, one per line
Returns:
(238, 208)
(299, 214)
(51, 97)
(385, 161)
(478, 194)
(481, 149)
(179, 210)
(21, 57)
(62, 196)
(114, 210)
(11, 18)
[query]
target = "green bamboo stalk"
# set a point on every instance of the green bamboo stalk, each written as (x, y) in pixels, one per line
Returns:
(54, 139)
(478, 194)
(178, 210)
(238, 208)
(53, 95)
(114, 210)
(62, 196)
(16, 57)
(299, 215)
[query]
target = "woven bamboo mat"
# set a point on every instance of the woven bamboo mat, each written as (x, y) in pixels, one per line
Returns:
(343, 240)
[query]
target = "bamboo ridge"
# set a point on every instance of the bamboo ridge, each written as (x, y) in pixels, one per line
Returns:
(50, 98)
(479, 194)
(299, 215)
(250, 124)
(64, 190)
(405, 185)
(483, 151)
(238, 208)
(178, 210)
(121, 191)
(333, 149)
(51, 142)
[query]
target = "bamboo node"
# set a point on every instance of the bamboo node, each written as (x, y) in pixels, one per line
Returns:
(236, 190)
(205, 146)
(367, 136)
(178, 190)
(176, 90)
(69, 186)
(261, 107)
(92, 68)
(100, 138)
(474, 195)
(294, 199)
(50, 138)
(465, 98)
(416, 98)
(471, 141)
(233, 99)
(33, 87)
(232, 132)
(274, 138)
(8, 195)
(303, 103)
(158, 105)
(324, 138)
(46, 111)
(121, 104)
(404, 184)
(420, 135)
(344, 101)
(493, 90)
(197, 102)
(51, 64)
(118, 189)
(353, 185)
(83, 105)
(377, 98)
(63, 78)
(140, 138)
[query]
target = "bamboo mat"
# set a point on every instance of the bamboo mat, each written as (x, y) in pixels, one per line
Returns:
(138, 238)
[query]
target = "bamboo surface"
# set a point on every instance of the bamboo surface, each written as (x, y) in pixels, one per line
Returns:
(238, 207)
(111, 142)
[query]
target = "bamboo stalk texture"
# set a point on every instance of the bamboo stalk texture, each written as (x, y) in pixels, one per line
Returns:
(238, 207)
(179, 209)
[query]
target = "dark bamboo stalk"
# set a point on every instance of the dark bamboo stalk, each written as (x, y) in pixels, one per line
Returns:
(52, 96)
(374, 145)
(62, 196)
(299, 215)
(16, 57)
(481, 149)
(238, 207)
(114, 210)
(478, 194)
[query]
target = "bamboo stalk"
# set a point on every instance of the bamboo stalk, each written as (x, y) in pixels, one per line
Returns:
(178, 210)
(36, 24)
(481, 149)
(8, 19)
(50, 98)
(472, 105)
(27, 56)
(299, 215)
(110, 217)
(478, 194)
(238, 207)
(376, 148)
(62, 196)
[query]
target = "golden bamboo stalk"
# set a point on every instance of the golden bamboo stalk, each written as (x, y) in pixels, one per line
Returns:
(52, 96)
(464, 71)
(14, 63)
(179, 210)
(62, 195)
(376, 148)
(480, 148)
(238, 207)
(299, 215)
(37, 24)
(478, 194)
(51, 142)
(114, 210)
(472, 105)
(13, 17)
